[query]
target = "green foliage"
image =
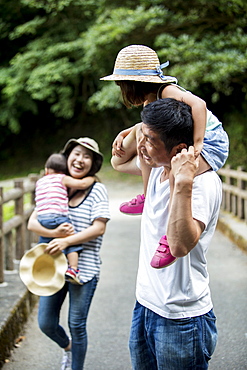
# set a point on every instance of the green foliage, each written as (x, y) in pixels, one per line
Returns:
(53, 53)
(237, 132)
(218, 63)
(108, 96)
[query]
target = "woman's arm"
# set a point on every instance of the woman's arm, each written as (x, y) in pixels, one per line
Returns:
(92, 232)
(61, 231)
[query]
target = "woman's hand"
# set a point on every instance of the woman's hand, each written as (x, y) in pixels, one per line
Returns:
(56, 245)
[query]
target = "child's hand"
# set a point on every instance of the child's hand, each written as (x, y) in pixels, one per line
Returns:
(198, 148)
(65, 229)
(117, 149)
(117, 145)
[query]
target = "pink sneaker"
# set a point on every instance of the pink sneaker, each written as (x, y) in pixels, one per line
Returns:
(162, 256)
(133, 207)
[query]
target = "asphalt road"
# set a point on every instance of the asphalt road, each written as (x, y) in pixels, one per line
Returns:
(110, 315)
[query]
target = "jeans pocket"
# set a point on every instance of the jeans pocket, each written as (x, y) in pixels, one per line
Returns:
(210, 334)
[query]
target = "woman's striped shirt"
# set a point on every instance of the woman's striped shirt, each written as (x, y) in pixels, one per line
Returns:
(95, 205)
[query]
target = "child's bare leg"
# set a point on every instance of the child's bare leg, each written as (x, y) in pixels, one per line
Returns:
(203, 166)
(73, 259)
(145, 174)
(72, 274)
(135, 206)
(145, 169)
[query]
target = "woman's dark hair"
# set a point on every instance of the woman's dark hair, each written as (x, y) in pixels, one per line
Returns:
(171, 119)
(57, 162)
(96, 162)
(135, 92)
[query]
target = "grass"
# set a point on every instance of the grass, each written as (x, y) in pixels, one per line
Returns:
(9, 208)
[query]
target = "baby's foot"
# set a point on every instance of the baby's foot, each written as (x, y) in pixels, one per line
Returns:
(73, 276)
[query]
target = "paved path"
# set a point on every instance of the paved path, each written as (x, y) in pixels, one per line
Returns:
(110, 315)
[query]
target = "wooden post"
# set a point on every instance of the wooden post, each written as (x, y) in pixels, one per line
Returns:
(9, 251)
(20, 230)
(33, 177)
(228, 195)
(1, 238)
(240, 201)
(245, 210)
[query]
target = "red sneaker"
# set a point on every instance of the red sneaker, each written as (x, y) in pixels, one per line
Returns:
(133, 207)
(162, 257)
(73, 276)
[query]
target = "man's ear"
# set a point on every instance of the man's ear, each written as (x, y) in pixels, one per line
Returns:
(180, 146)
(177, 149)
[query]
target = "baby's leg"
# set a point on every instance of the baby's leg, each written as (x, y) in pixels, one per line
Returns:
(73, 259)
(73, 274)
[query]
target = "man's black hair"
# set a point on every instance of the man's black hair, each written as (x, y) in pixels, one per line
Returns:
(171, 119)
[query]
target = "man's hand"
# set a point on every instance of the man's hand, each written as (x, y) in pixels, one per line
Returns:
(183, 231)
(184, 165)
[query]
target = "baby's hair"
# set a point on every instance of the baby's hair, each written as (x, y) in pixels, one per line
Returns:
(57, 162)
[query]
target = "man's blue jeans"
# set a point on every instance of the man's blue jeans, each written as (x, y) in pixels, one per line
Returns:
(80, 297)
(167, 344)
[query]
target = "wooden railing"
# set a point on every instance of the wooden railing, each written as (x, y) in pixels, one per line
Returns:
(234, 192)
(15, 239)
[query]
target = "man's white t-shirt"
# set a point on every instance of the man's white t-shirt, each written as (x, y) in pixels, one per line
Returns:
(182, 289)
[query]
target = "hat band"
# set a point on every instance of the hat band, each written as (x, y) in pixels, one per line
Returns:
(143, 72)
(84, 142)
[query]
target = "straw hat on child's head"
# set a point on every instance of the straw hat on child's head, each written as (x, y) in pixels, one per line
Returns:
(43, 273)
(138, 63)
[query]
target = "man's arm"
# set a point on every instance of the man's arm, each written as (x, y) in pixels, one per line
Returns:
(183, 232)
